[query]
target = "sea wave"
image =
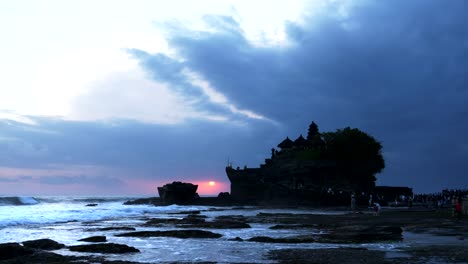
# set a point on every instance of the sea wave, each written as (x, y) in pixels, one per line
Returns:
(18, 200)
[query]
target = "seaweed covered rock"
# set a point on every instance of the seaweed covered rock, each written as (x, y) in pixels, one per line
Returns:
(12, 250)
(43, 244)
(94, 239)
(173, 233)
(106, 248)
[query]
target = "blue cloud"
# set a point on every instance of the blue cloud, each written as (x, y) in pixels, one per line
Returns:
(397, 70)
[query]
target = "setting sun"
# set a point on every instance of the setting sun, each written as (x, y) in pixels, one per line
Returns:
(212, 183)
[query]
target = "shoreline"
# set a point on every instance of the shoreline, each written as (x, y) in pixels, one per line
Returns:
(349, 234)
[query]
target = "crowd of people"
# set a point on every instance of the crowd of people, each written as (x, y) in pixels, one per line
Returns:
(445, 198)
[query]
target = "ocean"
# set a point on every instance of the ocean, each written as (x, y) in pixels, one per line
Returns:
(67, 219)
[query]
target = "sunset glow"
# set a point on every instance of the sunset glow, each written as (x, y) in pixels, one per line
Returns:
(211, 188)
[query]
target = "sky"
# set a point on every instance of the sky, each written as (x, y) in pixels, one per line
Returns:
(118, 97)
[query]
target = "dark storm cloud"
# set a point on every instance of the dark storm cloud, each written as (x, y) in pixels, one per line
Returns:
(396, 69)
(99, 181)
(136, 150)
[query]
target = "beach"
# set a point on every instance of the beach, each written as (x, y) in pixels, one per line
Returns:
(145, 233)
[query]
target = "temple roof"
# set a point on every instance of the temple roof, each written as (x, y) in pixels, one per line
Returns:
(300, 141)
(287, 143)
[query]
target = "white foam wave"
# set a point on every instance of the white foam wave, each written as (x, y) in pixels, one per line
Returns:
(18, 200)
(48, 213)
(28, 200)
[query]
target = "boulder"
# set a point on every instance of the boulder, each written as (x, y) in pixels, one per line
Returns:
(287, 240)
(13, 250)
(194, 212)
(192, 219)
(92, 204)
(112, 228)
(106, 248)
(219, 224)
(363, 234)
(173, 233)
(224, 195)
(94, 239)
(43, 244)
(178, 193)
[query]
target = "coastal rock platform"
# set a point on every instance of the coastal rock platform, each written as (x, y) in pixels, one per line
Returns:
(298, 235)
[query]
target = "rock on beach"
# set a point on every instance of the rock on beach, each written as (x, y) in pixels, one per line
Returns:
(173, 233)
(108, 248)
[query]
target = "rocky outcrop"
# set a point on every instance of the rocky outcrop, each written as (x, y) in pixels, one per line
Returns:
(12, 250)
(106, 248)
(94, 239)
(330, 255)
(362, 234)
(173, 233)
(198, 221)
(112, 228)
(43, 244)
(178, 193)
(288, 240)
(151, 200)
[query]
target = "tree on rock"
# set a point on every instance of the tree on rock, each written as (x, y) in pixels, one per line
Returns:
(357, 154)
(313, 131)
(314, 138)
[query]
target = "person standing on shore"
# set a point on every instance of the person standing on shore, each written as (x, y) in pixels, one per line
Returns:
(353, 202)
(377, 209)
(458, 208)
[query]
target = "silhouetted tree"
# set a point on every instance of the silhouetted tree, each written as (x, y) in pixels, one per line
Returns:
(357, 154)
(313, 131)
(314, 139)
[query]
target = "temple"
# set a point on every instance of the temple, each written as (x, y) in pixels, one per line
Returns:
(305, 170)
(284, 173)
(294, 170)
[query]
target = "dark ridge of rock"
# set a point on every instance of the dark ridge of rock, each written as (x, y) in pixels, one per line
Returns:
(238, 239)
(198, 221)
(92, 204)
(293, 226)
(275, 214)
(220, 224)
(362, 234)
(328, 256)
(117, 228)
(43, 244)
(286, 240)
(159, 221)
(106, 248)
(189, 219)
(193, 219)
(14, 253)
(151, 201)
(173, 233)
(197, 212)
(240, 218)
(217, 209)
(12, 250)
(42, 257)
(94, 239)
